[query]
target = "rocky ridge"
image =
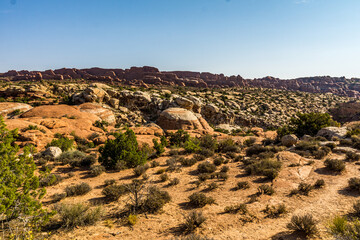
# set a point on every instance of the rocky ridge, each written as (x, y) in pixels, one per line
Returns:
(145, 76)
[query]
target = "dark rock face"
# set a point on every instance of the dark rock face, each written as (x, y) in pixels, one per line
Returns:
(346, 112)
(142, 76)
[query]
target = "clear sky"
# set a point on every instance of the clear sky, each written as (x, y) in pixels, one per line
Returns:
(253, 38)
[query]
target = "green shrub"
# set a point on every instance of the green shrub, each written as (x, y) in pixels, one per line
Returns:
(124, 148)
(335, 165)
(206, 167)
(192, 145)
(77, 190)
(96, 170)
(63, 143)
(265, 189)
(76, 215)
(250, 141)
(193, 221)
(200, 200)
(242, 208)
(155, 200)
(114, 192)
(208, 142)
(307, 124)
(199, 157)
(268, 168)
(159, 147)
(227, 146)
(179, 138)
(338, 226)
(305, 224)
(50, 180)
(88, 161)
(132, 219)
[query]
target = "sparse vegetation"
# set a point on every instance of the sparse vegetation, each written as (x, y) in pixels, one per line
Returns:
(78, 189)
(200, 200)
(305, 224)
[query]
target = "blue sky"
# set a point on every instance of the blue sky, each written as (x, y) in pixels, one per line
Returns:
(253, 38)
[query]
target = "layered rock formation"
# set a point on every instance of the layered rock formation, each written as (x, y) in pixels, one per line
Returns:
(144, 76)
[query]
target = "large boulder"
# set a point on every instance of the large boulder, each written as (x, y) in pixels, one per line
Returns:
(180, 118)
(52, 152)
(63, 119)
(9, 109)
(184, 103)
(330, 132)
(105, 114)
(289, 140)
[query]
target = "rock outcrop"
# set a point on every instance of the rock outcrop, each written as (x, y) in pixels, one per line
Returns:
(180, 118)
(142, 76)
(11, 109)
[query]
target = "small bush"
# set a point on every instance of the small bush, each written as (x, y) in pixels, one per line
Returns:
(303, 189)
(159, 147)
(354, 184)
(160, 171)
(132, 219)
(265, 189)
(242, 185)
(218, 161)
(268, 168)
(320, 183)
(199, 157)
(109, 182)
(72, 157)
(356, 208)
(78, 215)
(114, 192)
(352, 157)
(228, 146)
(174, 181)
(242, 208)
(200, 200)
(224, 169)
(63, 143)
(164, 177)
(206, 167)
(275, 211)
(305, 224)
(77, 190)
(58, 197)
(212, 186)
(192, 145)
(187, 162)
(335, 165)
(208, 142)
(97, 170)
(339, 226)
(123, 149)
(50, 180)
(203, 177)
(206, 152)
(179, 138)
(154, 164)
(140, 170)
(155, 200)
(88, 161)
(193, 221)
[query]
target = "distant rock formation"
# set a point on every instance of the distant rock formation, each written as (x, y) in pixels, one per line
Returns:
(145, 76)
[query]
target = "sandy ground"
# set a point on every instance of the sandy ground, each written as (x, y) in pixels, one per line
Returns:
(323, 204)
